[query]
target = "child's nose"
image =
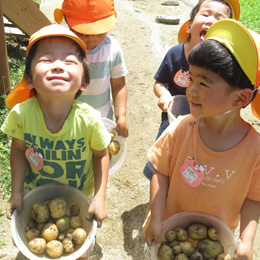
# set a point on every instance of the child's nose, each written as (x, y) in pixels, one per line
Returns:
(57, 65)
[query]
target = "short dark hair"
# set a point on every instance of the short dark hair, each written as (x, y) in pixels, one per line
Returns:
(82, 59)
(196, 9)
(213, 56)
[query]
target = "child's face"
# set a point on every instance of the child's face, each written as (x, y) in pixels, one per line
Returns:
(91, 41)
(209, 13)
(208, 94)
(56, 69)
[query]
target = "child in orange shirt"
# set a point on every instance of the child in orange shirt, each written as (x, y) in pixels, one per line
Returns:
(209, 162)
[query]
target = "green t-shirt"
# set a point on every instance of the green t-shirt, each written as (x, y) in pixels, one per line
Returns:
(67, 155)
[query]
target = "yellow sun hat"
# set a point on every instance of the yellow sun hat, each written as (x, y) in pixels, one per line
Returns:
(21, 93)
(89, 17)
(244, 45)
(235, 6)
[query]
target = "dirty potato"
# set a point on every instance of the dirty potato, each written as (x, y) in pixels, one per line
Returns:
(76, 222)
(68, 245)
(224, 256)
(209, 248)
(37, 246)
(58, 207)
(63, 223)
(197, 231)
(112, 134)
(54, 248)
(181, 234)
(114, 147)
(50, 232)
(170, 235)
(75, 210)
(187, 248)
(165, 253)
(79, 235)
(40, 212)
(213, 233)
(32, 233)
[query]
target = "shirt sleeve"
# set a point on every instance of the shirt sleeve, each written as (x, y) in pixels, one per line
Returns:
(254, 188)
(13, 125)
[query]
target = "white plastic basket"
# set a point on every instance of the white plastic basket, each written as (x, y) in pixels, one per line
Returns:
(116, 160)
(48, 192)
(184, 219)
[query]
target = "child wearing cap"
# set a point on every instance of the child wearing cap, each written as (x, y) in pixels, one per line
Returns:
(210, 161)
(172, 78)
(56, 138)
(91, 20)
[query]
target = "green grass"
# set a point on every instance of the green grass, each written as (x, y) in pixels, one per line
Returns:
(250, 14)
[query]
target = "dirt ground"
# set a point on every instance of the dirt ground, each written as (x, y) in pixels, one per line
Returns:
(144, 43)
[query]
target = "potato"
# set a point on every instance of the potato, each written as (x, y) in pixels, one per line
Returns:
(224, 256)
(50, 232)
(196, 256)
(176, 249)
(75, 210)
(209, 248)
(61, 236)
(63, 223)
(181, 257)
(181, 234)
(68, 245)
(112, 134)
(37, 245)
(165, 253)
(197, 231)
(32, 233)
(213, 233)
(114, 147)
(31, 223)
(69, 232)
(76, 222)
(40, 212)
(170, 235)
(54, 248)
(79, 235)
(58, 207)
(187, 248)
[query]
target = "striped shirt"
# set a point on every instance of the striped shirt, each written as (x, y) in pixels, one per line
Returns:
(105, 61)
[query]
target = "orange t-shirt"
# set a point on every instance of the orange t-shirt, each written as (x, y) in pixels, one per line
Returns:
(229, 176)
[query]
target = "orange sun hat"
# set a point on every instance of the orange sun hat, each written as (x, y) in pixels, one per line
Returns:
(244, 45)
(89, 17)
(21, 93)
(235, 6)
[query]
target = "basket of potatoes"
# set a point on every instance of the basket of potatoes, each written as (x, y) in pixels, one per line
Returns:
(52, 224)
(117, 147)
(194, 235)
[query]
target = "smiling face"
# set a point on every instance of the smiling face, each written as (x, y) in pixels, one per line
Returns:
(56, 69)
(209, 12)
(208, 94)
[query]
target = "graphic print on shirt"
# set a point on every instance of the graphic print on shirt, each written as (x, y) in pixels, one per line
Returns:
(62, 160)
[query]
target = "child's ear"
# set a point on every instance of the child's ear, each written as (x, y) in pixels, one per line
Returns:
(244, 97)
(188, 30)
(83, 86)
(28, 81)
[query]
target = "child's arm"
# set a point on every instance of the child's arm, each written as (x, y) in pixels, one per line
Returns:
(249, 218)
(119, 94)
(164, 95)
(97, 208)
(158, 193)
(18, 164)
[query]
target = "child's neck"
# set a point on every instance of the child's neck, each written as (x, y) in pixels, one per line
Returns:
(55, 113)
(187, 48)
(222, 133)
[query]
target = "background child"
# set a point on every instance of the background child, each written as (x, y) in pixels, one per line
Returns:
(218, 147)
(171, 77)
(68, 134)
(91, 20)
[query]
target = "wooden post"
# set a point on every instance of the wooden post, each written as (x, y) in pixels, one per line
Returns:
(4, 68)
(25, 14)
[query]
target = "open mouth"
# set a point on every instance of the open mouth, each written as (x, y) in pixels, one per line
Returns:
(202, 34)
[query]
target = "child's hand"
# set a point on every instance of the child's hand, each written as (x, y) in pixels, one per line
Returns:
(122, 126)
(165, 101)
(244, 251)
(153, 232)
(14, 203)
(98, 211)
